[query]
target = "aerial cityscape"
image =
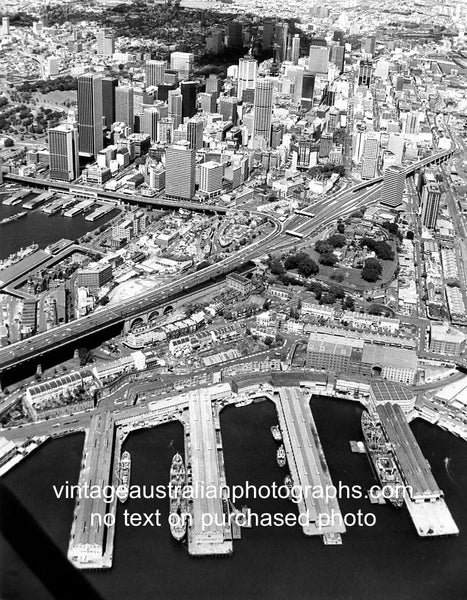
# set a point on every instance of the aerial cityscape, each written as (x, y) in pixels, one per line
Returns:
(233, 291)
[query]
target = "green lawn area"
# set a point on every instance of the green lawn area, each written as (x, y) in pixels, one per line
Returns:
(57, 97)
(353, 277)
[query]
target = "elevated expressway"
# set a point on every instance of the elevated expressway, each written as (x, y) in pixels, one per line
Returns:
(348, 200)
(326, 211)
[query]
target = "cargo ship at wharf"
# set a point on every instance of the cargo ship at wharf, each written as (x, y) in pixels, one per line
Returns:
(13, 218)
(381, 458)
(14, 258)
(178, 504)
(124, 476)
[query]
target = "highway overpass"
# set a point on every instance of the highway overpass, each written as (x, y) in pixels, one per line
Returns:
(155, 202)
(326, 211)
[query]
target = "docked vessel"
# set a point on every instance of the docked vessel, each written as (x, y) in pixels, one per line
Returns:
(276, 433)
(380, 453)
(178, 504)
(124, 476)
(281, 456)
(13, 218)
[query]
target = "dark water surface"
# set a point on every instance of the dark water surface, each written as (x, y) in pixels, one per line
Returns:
(386, 561)
(41, 229)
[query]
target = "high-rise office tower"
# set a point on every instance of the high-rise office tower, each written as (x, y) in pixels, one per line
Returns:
(337, 56)
(64, 153)
(180, 171)
(325, 144)
(262, 108)
(235, 34)
(189, 92)
(369, 45)
(370, 155)
(105, 42)
(165, 129)
(295, 74)
(182, 62)
(124, 105)
(207, 102)
(195, 128)
(109, 85)
(431, 199)
(171, 76)
(318, 59)
(247, 69)
(396, 145)
(308, 87)
(411, 123)
(393, 186)
(90, 114)
(268, 34)
(228, 108)
(210, 177)
(295, 53)
(5, 25)
(365, 71)
(213, 84)
(175, 102)
(138, 101)
(215, 41)
(382, 68)
(150, 121)
(163, 91)
(280, 38)
(155, 72)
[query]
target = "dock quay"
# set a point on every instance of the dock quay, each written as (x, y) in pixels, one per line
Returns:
(209, 532)
(307, 465)
(15, 453)
(91, 540)
(17, 197)
(423, 497)
(100, 212)
(39, 200)
(53, 207)
(81, 207)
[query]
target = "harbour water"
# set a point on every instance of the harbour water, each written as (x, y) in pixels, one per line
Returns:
(41, 229)
(268, 562)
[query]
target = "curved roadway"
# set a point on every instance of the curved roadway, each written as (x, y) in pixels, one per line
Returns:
(326, 211)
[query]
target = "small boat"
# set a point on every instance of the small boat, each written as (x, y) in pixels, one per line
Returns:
(276, 433)
(124, 476)
(288, 482)
(280, 455)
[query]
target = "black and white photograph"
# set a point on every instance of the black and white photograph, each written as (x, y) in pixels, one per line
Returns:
(233, 300)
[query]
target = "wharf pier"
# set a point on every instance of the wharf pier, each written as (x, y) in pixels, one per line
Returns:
(15, 453)
(308, 466)
(39, 200)
(91, 539)
(209, 530)
(423, 497)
